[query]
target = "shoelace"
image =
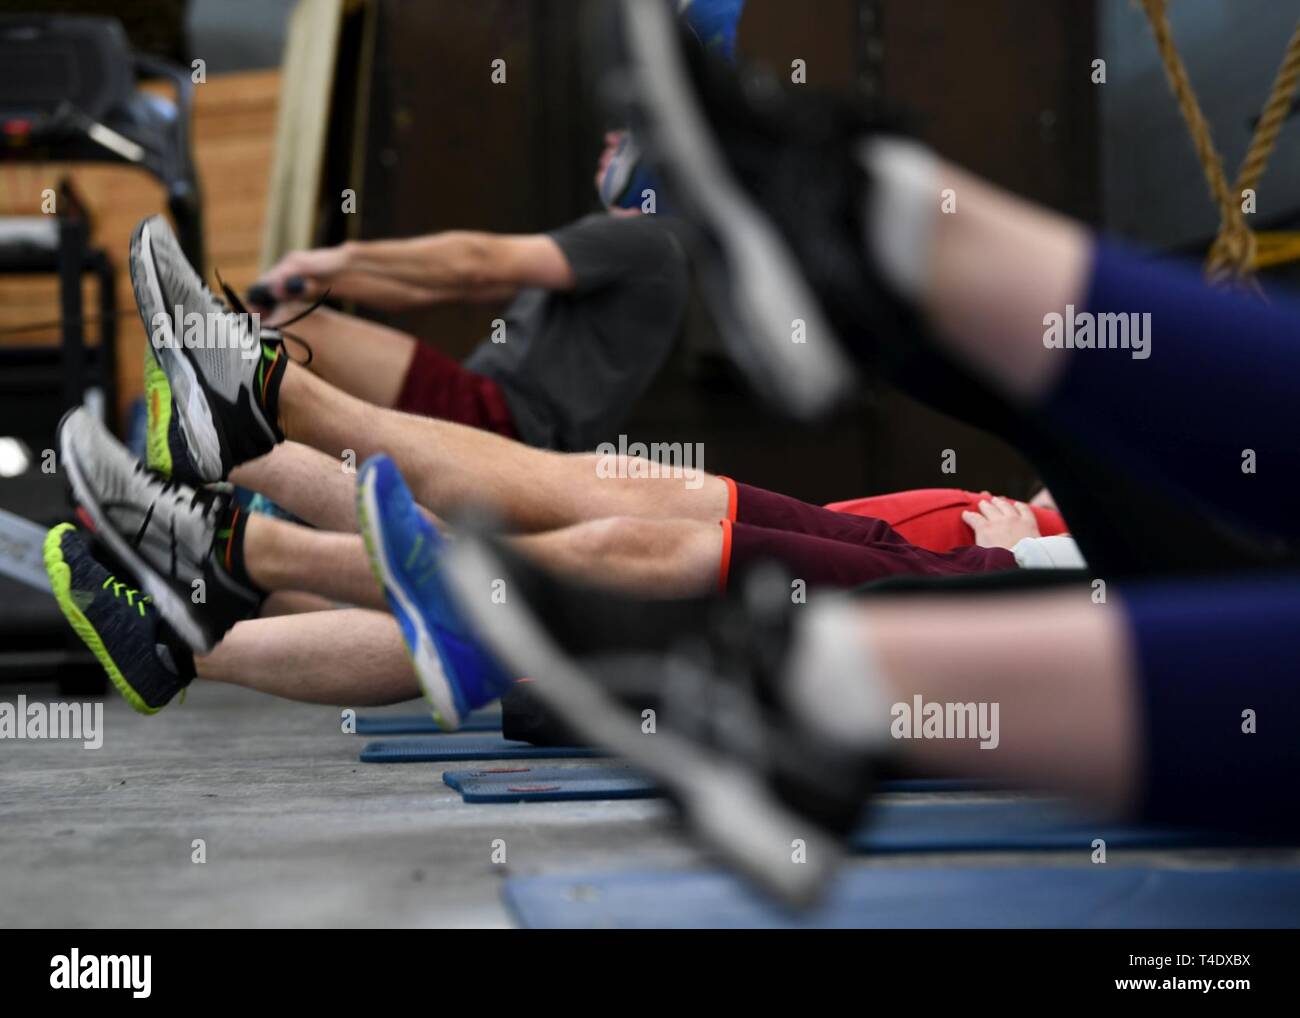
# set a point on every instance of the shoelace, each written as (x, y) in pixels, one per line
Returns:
(208, 499)
(208, 503)
(131, 593)
(279, 333)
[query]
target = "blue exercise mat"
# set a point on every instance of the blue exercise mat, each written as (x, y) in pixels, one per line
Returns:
(550, 784)
(457, 747)
(423, 724)
(573, 784)
(1013, 826)
(1008, 826)
(1076, 897)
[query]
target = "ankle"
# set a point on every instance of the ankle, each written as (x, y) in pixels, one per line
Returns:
(835, 682)
(231, 546)
(273, 375)
(902, 217)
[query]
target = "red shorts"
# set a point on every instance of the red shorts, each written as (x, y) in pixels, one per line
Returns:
(825, 548)
(437, 386)
(931, 517)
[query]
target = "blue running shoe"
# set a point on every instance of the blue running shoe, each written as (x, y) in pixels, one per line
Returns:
(456, 673)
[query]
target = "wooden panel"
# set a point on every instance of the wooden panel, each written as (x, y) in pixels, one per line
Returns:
(234, 128)
(1002, 88)
(448, 148)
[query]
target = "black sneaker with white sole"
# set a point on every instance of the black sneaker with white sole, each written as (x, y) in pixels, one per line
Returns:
(163, 533)
(222, 369)
(753, 780)
(775, 181)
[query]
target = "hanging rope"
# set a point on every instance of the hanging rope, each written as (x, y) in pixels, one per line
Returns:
(1236, 252)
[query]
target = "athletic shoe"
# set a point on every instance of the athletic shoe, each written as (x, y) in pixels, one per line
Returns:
(773, 178)
(163, 532)
(165, 448)
(406, 552)
(145, 660)
(222, 390)
(750, 778)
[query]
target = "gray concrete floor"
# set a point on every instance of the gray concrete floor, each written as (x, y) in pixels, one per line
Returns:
(298, 832)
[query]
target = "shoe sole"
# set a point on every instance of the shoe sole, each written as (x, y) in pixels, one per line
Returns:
(187, 390)
(158, 414)
(60, 574)
(757, 277)
(424, 655)
(726, 805)
(171, 606)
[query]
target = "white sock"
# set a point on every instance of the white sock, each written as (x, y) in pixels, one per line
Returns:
(904, 203)
(833, 680)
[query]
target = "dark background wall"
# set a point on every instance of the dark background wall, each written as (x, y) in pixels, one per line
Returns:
(448, 148)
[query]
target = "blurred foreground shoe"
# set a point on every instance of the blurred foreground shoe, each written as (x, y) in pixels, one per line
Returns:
(753, 780)
(775, 180)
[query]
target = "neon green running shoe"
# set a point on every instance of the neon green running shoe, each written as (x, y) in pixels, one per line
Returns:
(158, 414)
(144, 659)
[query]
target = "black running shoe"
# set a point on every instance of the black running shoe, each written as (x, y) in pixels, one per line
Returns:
(773, 178)
(163, 532)
(750, 778)
(145, 660)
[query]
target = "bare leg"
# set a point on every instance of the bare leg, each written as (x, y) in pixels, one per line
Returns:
(294, 602)
(449, 466)
(314, 487)
(653, 558)
(997, 267)
(285, 556)
(349, 657)
(1059, 667)
(363, 358)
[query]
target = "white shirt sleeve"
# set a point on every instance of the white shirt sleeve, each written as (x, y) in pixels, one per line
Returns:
(1059, 552)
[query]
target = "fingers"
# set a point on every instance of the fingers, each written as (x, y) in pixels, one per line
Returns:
(302, 275)
(972, 519)
(996, 508)
(293, 285)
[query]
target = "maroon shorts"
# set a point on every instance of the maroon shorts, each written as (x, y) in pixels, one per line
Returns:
(437, 386)
(825, 548)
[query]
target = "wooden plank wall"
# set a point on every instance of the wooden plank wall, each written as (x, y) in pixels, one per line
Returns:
(234, 129)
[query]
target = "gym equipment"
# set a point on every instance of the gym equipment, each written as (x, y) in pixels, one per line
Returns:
(450, 747)
(1084, 897)
(1238, 251)
(22, 556)
(39, 382)
(423, 724)
(613, 781)
(68, 93)
(38, 645)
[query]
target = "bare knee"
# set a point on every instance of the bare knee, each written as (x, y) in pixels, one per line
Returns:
(672, 557)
